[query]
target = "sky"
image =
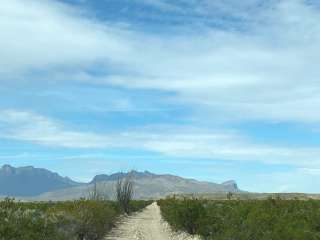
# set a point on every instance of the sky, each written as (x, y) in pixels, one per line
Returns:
(208, 89)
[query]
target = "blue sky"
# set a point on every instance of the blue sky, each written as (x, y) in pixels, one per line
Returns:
(213, 90)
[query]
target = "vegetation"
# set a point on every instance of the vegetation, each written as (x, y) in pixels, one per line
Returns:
(73, 220)
(271, 219)
(98, 192)
(249, 196)
(124, 191)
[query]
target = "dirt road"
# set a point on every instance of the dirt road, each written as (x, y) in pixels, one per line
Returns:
(146, 225)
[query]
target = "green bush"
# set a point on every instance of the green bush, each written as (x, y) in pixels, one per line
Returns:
(272, 219)
(137, 205)
(184, 214)
(73, 220)
(17, 221)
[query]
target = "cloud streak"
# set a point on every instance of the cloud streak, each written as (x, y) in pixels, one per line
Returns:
(45, 34)
(181, 142)
(165, 90)
(267, 73)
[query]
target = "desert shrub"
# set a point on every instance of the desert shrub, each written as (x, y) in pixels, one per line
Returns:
(72, 220)
(98, 192)
(87, 219)
(272, 219)
(124, 193)
(19, 222)
(183, 214)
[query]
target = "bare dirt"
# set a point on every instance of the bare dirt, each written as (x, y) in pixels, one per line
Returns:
(146, 225)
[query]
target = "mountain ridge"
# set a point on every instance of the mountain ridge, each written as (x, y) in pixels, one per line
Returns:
(29, 182)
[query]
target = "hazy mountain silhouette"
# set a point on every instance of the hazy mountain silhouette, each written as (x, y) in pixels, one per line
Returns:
(30, 181)
(116, 176)
(41, 184)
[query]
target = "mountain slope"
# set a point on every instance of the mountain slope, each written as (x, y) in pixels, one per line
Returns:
(146, 186)
(40, 184)
(30, 181)
(116, 176)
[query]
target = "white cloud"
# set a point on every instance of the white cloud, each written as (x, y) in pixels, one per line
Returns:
(268, 72)
(30, 127)
(184, 142)
(37, 35)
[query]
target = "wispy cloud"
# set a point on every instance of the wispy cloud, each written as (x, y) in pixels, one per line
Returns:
(37, 129)
(254, 61)
(185, 142)
(268, 73)
(46, 34)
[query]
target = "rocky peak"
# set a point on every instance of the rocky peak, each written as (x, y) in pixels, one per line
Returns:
(232, 184)
(7, 169)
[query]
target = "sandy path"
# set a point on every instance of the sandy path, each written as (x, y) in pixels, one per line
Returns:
(146, 225)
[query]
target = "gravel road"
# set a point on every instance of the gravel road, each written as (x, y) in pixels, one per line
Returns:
(146, 225)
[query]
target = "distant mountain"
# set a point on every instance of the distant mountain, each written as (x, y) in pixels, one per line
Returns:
(30, 181)
(146, 186)
(40, 184)
(116, 176)
(231, 184)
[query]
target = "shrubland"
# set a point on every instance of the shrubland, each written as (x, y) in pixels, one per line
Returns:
(271, 219)
(72, 220)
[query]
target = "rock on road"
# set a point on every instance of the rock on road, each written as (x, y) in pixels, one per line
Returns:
(146, 225)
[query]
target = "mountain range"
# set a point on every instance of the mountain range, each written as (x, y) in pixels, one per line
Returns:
(29, 183)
